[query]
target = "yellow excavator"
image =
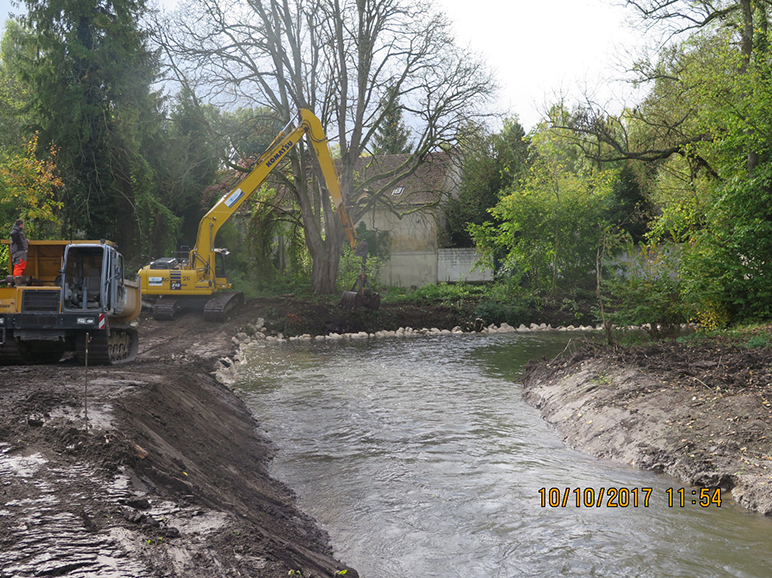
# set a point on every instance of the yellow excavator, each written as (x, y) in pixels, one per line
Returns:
(201, 279)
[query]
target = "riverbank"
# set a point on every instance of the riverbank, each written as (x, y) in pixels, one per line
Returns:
(144, 470)
(698, 412)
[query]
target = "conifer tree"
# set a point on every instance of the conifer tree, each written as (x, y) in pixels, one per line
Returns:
(89, 70)
(392, 136)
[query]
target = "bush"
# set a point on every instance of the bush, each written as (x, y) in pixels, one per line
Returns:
(647, 292)
(727, 266)
(447, 294)
(351, 266)
(493, 303)
(497, 312)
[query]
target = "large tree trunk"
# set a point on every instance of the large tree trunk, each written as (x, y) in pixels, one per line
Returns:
(324, 272)
(323, 231)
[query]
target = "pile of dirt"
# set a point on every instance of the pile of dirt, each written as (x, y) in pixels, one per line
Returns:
(701, 413)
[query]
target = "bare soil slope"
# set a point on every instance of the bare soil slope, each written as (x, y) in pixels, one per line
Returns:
(700, 413)
(168, 479)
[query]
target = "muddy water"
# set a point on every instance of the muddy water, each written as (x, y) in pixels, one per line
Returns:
(420, 459)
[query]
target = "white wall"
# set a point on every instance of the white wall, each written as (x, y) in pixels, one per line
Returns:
(410, 269)
(419, 268)
(459, 265)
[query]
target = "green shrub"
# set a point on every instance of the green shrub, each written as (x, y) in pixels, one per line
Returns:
(758, 341)
(497, 312)
(351, 266)
(448, 294)
(647, 291)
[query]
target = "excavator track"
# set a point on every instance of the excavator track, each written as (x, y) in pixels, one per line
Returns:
(113, 346)
(165, 309)
(218, 307)
(10, 352)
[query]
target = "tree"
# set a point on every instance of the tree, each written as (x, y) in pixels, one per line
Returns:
(28, 189)
(491, 163)
(14, 94)
(341, 60)
(190, 154)
(704, 133)
(89, 71)
(245, 133)
(548, 227)
(392, 136)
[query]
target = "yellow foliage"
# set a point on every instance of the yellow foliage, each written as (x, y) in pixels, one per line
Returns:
(712, 315)
(28, 186)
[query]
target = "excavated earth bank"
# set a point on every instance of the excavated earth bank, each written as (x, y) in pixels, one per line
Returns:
(701, 414)
(168, 479)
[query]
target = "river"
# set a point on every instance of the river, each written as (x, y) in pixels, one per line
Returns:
(420, 459)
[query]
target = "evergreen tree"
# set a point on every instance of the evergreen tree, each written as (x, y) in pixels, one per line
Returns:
(13, 95)
(89, 72)
(392, 136)
(491, 164)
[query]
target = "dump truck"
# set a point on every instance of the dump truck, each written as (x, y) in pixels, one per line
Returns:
(73, 297)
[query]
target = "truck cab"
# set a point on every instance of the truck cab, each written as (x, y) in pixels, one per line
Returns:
(74, 293)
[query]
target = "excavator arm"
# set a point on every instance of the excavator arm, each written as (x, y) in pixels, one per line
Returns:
(360, 294)
(203, 252)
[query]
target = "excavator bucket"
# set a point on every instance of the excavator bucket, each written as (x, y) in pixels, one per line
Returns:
(355, 299)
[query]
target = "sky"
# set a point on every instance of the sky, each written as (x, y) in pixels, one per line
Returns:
(541, 49)
(537, 49)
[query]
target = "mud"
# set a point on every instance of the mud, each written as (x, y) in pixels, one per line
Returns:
(150, 469)
(700, 413)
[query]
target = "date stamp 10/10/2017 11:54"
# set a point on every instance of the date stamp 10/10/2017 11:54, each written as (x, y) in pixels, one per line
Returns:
(613, 497)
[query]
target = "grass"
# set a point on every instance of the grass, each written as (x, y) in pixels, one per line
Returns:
(750, 336)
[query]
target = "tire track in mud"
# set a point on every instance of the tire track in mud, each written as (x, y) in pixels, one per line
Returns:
(51, 530)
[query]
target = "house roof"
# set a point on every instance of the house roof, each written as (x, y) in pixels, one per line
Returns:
(388, 175)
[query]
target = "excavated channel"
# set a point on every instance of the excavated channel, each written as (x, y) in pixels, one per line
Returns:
(420, 458)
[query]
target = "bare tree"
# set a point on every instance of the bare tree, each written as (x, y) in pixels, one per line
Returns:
(339, 58)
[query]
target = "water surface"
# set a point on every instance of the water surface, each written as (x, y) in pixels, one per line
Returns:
(420, 459)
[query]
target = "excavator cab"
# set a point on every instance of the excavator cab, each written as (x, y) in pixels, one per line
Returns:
(221, 268)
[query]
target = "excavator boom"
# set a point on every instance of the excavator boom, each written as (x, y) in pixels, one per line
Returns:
(197, 280)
